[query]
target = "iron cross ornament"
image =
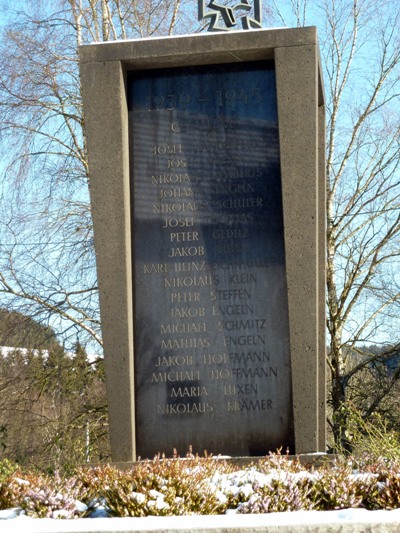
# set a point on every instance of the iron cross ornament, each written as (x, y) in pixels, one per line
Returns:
(225, 15)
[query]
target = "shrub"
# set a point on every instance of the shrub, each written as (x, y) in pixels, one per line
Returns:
(205, 486)
(341, 486)
(54, 497)
(13, 489)
(162, 487)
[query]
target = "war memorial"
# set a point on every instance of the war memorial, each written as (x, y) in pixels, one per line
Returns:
(206, 157)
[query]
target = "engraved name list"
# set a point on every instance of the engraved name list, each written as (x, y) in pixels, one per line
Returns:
(212, 364)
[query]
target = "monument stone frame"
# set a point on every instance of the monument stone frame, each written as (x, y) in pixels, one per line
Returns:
(301, 115)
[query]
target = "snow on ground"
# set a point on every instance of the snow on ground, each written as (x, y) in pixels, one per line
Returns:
(15, 520)
(347, 518)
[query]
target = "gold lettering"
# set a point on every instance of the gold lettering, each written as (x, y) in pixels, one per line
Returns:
(184, 408)
(232, 309)
(250, 405)
(179, 222)
(223, 373)
(176, 193)
(180, 207)
(185, 343)
(214, 358)
(240, 325)
(229, 248)
(246, 357)
(258, 372)
(191, 266)
(236, 233)
(247, 277)
(174, 360)
(241, 173)
(189, 327)
(238, 203)
(176, 163)
(233, 188)
(184, 236)
(173, 376)
(185, 297)
(169, 179)
(245, 388)
(229, 219)
(188, 281)
(155, 268)
(167, 149)
(189, 312)
(186, 251)
(182, 392)
(230, 294)
(244, 340)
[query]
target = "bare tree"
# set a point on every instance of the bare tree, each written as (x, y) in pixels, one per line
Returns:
(360, 42)
(47, 263)
(52, 408)
(363, 195)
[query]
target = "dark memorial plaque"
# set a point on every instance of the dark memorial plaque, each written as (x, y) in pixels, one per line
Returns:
(212, 361)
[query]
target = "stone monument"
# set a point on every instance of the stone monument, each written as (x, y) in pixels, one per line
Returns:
(206, 159)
